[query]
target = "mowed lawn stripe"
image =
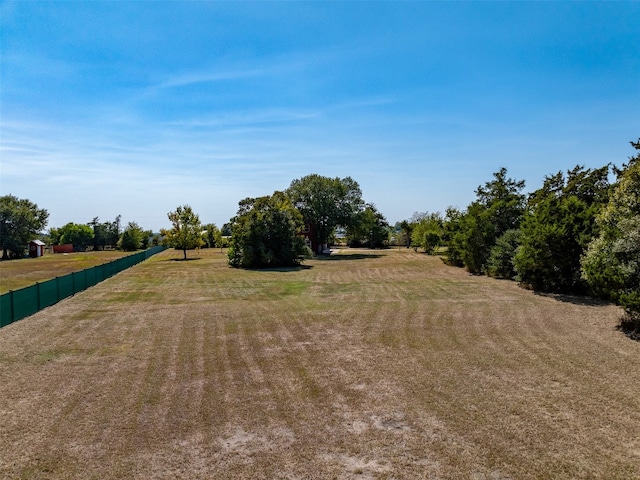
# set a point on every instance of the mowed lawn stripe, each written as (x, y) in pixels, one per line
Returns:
(382, 364)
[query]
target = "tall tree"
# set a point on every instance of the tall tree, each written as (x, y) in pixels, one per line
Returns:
(326, 203)
(427, 231)
(113, 232)
(186, 232)
(264, 233)
(406, 228)
(20, 221)
(370, 228)
(78, 235)
(558, 226)
(99, 234)
(499, 207)
(132, 237)
(212, 235)
(452, 228)
(611, 265)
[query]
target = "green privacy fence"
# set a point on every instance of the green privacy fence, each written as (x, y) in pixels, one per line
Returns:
(18, 304)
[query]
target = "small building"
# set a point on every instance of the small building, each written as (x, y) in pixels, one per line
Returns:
(36, 248)
(309, 238)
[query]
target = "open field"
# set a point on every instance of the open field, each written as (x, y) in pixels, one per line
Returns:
(365, 365)
(15, 274)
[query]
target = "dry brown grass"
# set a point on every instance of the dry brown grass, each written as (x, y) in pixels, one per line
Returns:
(15, 274)
(375, 365)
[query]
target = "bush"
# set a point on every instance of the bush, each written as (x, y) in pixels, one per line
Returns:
(264, 233)
(501, 263)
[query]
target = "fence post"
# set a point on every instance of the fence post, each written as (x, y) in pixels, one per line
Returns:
(13, 308)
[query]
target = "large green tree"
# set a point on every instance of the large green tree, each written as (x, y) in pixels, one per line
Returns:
(132, 238)
(451, 234)
(611, 264)
(370, 229)
(186, 232)
(212, 235)
(427, 231)
(404, 229)
(78, 235)
(558, 226)
(264, 233)
(20, 221)
(326, 203)
(106, 234)
(498, 207)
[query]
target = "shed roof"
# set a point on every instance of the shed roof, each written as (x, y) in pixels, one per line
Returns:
(38, 242)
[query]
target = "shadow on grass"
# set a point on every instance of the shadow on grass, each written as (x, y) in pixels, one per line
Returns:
(295, 268)
(347, 256)
(182, 259)
(581, 300)
(630, 327)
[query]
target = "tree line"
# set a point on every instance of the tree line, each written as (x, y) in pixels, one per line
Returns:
(22, 221)
(578, 233)
(285, 227)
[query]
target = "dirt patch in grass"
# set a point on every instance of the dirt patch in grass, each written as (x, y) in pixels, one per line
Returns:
(385, 366)
(15, 274)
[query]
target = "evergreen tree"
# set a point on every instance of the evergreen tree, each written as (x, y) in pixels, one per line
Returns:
(132, 237)
(499, 207)
(558, 226)
(611, 265)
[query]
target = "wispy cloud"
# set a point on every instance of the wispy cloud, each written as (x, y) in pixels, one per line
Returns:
(106, 117)
(249, 68)
(192, 78)
(246, 118)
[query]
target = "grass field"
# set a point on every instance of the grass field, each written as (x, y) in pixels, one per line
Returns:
(15, 274)
(365, 365)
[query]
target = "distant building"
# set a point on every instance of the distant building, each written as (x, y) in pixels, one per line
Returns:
(310, 238)
(36, 248)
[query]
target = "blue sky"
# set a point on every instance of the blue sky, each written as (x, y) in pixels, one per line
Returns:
(135, 108)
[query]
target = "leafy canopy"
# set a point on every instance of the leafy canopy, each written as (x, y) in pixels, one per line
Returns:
(264, 233)
(498, 207)
(20, 221)
(78, 235)
(186, 232)
(133, 238)
(611, 265)
(370, 228)
(558, 226)
(326, 203)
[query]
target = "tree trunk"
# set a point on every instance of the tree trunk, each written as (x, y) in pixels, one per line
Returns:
(185, 253)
